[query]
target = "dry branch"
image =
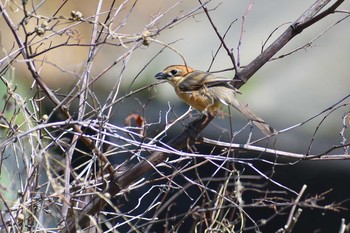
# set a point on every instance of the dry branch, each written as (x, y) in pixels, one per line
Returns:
(109, 184)
(187, 137)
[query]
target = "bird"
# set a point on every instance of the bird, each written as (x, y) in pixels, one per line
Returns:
(208, 93)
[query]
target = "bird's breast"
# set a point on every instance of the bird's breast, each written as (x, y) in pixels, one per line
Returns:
(199, 101)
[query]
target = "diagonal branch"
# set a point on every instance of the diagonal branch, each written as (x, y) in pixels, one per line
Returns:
(307, 19)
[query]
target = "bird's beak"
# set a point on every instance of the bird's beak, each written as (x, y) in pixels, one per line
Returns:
(161, 75)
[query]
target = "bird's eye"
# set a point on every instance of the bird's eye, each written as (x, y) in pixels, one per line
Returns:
(173, 72)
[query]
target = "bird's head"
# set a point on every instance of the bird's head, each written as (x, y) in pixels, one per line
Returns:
(174, 73)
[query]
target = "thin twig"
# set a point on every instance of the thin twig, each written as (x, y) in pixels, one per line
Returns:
(229, 51)
(288, 226)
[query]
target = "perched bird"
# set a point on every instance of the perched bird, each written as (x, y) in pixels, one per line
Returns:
(208, 93)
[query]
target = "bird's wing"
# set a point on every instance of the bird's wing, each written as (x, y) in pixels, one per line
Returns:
(196, 80)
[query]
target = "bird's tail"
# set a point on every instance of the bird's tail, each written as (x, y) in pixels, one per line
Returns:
(260, 123)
